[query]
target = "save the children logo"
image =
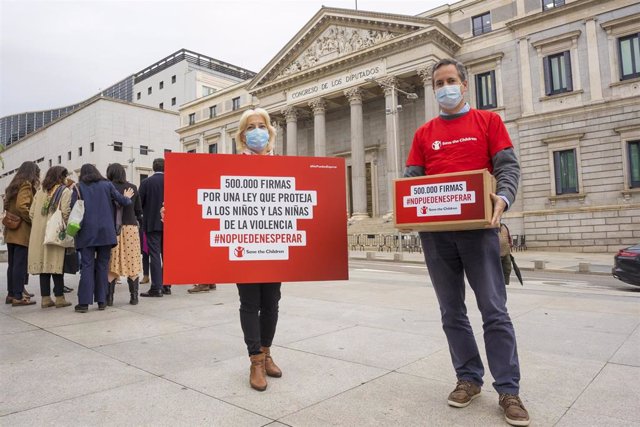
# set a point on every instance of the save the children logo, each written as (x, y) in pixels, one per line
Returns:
(258, 215)
(436, 145)
(439, 199)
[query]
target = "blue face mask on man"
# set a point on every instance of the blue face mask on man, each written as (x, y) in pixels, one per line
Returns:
(257, 139)
(449, 96)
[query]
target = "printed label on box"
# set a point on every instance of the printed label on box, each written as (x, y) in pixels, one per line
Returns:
(439, 199)
(444, 202)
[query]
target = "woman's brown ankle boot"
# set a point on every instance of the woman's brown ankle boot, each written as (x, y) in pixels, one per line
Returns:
(257, 378)
(47, 302)
(270, 366)
(61, 302)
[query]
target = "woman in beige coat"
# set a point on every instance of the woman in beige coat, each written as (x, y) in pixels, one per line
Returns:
(48, 260)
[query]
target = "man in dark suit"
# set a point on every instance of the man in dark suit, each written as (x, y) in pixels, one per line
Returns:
(152, 198)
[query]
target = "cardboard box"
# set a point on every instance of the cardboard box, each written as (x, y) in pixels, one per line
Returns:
(445, 202)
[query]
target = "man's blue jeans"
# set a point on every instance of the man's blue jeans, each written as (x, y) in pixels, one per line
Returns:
(476, 253)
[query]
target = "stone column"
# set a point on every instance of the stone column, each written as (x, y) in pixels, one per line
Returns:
(388, 85)
(525, 76)
(358, 170)
(278, 124)
(431, 109)
(319, 130)
(291, 114)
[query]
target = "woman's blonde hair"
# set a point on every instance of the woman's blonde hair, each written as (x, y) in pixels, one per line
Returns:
(241, 144)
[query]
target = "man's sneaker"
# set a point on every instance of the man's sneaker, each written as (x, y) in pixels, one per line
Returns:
(463, 394)
(514, 411)
(198, 288)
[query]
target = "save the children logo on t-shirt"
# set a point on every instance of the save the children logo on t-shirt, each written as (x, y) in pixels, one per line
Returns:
(439, 199)
(258, 216)
(436, 145)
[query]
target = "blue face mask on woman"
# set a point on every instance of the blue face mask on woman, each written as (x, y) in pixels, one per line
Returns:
(257, 139)
(449, 96)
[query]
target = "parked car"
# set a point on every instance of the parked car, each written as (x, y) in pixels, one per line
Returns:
(626, 265)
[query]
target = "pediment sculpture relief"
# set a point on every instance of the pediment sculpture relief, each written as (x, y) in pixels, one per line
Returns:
(334, 42)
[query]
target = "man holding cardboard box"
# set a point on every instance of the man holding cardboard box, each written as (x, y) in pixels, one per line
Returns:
(464, 139)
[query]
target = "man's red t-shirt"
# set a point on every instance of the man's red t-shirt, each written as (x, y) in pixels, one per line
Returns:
(465, 143)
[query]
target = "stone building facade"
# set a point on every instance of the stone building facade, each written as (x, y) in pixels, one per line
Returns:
(209, 125)
(563, 75)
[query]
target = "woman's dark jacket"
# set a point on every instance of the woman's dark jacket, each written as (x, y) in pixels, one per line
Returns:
(132, 214)
(98, 226)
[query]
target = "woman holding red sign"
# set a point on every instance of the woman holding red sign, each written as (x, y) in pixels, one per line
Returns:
(258, 301)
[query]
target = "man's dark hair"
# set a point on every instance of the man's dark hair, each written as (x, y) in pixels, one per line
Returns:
(116, 173)
(158, 165)
(462, 71)
(89, 173)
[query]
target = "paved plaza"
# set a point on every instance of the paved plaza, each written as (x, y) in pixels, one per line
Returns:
(365, 352)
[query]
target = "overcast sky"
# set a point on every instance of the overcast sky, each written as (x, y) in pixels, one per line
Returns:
(56, 53)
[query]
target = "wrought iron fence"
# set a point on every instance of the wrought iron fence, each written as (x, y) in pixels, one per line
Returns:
(381, 242)
(384, 242)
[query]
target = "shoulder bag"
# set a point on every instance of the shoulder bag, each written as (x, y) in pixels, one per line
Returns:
(11, 221)
(56, 231)
(71, 264)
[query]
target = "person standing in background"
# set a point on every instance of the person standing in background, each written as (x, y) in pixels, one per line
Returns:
(17, 200)
(48, 260)
(97, 235)
(152, 199)
(125, 258)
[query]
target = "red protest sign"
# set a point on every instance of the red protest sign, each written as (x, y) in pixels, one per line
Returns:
(249, 219)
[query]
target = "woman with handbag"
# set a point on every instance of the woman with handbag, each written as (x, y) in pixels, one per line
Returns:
(17, 228)
(125, 257)
(50, 208)
(97, 234)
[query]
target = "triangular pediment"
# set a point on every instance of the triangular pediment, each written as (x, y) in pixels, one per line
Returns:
(334, 42)
(333, 35)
